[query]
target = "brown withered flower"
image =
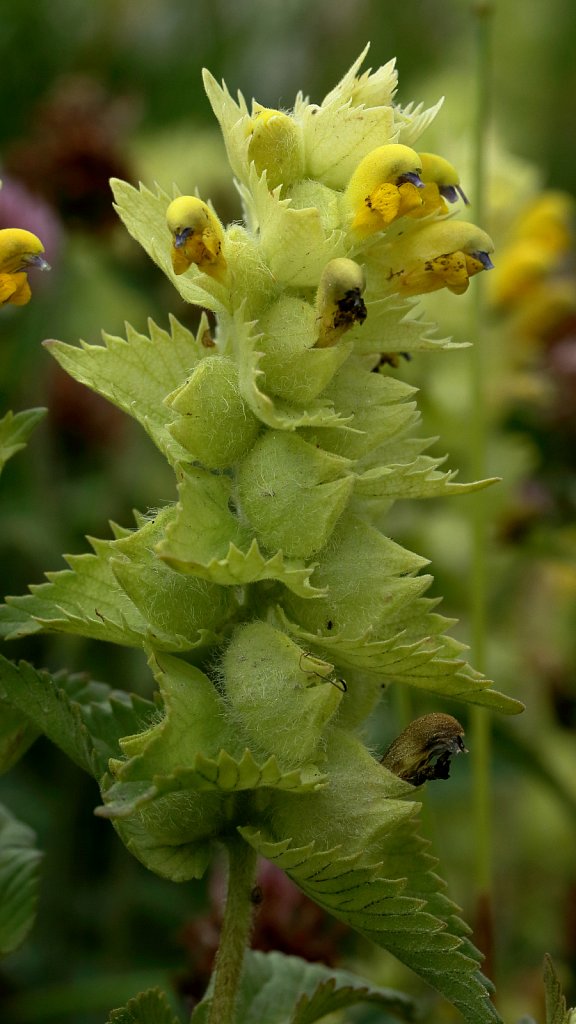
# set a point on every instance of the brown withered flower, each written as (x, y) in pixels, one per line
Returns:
(425, 749)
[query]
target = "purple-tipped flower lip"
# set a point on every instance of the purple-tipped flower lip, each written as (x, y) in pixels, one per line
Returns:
(484, 259)
(412, 178)
(37, 261)
(181, 237)
(462, 195)
(452, 192)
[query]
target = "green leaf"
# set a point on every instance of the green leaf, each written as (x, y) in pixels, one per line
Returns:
(418, 479)
(293, 493)
(279, 989)
(15, 430)
(210, 397)
(376, 406)
(274, 412)
(557, 1011)
(138, 373)
(150, 1007)
(383, 626)
(17, 734)
(19, 878)
(85, 719)
(223, 773)
(295, 243)
(394, 325)
(279, 696)
(384, 910)
(207, 539)
(124, 594)
(38, 696)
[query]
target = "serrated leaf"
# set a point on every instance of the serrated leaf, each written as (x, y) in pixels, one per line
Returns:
(124, 594)
(223, 773)
(413, 119)
(17, 734)
(383, 910)
(295, 243)
(377, 407)
(207, 539)
(418, 479)
(174, 836)
(228, 113)
(275, 412)
(144, 215)
(430, 664)
(137, 373)
(293, 492)
(19, 879)
(15, 429)
(37, 695)
(395, 325)
(150, 1007)
(353, 118)
(280, 989)
(84, 718)
(557, 1011)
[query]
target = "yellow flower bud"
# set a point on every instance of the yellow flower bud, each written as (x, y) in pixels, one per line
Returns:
(339, 300)
(385, 186)
(19, 249)
(440, 254)
(275, 146)
(424, 750)
(197, 237)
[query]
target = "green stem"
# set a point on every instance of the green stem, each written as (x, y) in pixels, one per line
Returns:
(235, 932)
(480, 724)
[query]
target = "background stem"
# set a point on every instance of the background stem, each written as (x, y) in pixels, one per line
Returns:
(480, 721)
(235, 932)
(481, 733)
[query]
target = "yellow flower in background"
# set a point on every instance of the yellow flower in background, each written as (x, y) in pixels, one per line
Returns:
(19, 250)
(538, 244)
(197, 237)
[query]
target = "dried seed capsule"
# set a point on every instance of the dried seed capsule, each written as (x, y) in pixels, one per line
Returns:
(425, 748)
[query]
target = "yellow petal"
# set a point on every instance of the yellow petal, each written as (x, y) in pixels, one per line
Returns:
(14, 288)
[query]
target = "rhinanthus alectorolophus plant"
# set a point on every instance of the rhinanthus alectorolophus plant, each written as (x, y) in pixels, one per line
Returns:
(272, 605)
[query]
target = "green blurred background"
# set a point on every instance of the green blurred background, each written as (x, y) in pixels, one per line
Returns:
(92, 90)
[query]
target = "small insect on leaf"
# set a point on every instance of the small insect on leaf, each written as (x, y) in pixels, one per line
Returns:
(425, 749)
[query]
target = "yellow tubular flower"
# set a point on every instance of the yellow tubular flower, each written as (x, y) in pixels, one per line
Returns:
(441, 254)
(339, 300)
(385, 186)
(197, 237)
(275, 146)
(19, 249)
(441, 173)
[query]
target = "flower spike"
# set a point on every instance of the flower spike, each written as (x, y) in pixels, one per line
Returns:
(385, 186)
(197, 237)
(19, 250)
